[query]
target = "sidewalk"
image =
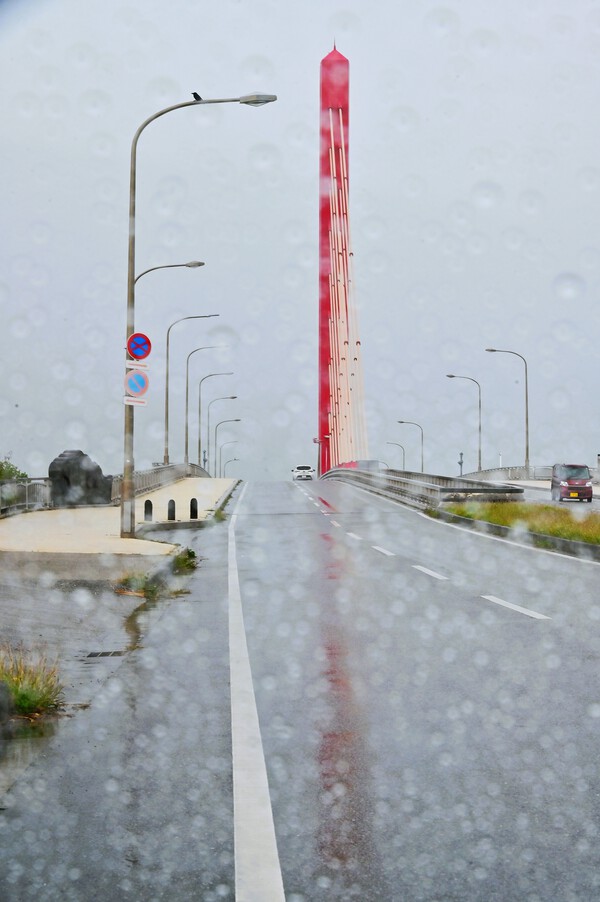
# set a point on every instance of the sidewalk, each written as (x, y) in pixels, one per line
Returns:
(86, 541)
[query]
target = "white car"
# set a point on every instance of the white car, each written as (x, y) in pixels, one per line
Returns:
(303, 472)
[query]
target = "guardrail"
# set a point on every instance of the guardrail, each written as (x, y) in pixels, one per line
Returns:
(18, 495)
(424, 489)
(147, 480)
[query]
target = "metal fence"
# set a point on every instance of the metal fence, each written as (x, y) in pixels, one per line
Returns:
(18, 495)
(148, 480)
(424, 490)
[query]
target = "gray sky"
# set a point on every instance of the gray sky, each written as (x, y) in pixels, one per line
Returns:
(475, 207)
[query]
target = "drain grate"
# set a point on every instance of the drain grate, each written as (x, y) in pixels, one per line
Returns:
(105, 654)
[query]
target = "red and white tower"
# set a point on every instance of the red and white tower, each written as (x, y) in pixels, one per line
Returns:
(342, 434)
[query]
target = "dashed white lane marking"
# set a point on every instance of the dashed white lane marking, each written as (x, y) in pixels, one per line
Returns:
(335, 523)
(383, 550)
(257, 868)
(515, 607)
(354, 536)
(429, 572)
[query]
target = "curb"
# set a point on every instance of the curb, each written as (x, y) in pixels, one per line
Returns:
(583, 550)
(145, 529)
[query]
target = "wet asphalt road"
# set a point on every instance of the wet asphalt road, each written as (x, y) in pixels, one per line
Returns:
(429, 707)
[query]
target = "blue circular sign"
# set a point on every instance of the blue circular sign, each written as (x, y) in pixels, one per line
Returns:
(136, 383)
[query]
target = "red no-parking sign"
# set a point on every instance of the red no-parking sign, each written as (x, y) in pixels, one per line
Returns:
(138, 346)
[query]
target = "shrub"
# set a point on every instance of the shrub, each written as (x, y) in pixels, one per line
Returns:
(185, 561)
(32, 682)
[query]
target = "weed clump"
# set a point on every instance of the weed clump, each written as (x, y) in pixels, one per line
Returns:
(138, 584)
(32, 682)
(185, 561)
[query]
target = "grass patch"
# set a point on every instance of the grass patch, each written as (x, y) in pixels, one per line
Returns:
(138, 584)
(573, 523)
(185, 561)
(32, 682)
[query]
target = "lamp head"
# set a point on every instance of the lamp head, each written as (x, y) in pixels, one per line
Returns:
(194, 263)
(450, 376)
(491, 350)
(258, 99)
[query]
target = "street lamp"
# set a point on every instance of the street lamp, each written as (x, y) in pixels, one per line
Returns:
(180, 320)
(411, 423)
(209, 376)
(127, 487)
(232, 442)
(501, 351)
(214, 400)
(452, 376)
(403, 453)
(237, 420)
(193, 264)
(230, 461)
(186, 458)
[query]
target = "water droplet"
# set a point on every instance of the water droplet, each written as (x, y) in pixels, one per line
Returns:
(264, 157)
(443, 22)
(569, 287)
(531, 202)
(487, 195)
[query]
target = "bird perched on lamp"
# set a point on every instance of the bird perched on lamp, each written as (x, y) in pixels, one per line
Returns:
(196, 96)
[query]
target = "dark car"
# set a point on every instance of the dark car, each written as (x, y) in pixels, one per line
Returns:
(571, 482)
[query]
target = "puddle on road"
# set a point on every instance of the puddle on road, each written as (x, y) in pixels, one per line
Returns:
(80, 671)
(20, 742)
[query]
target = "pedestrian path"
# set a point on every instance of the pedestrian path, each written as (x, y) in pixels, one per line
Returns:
(96, 529)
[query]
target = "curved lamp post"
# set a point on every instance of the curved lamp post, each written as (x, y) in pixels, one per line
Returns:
(236, 420)
(193, 264)
(232, 442)
(186, 458)
(501, 351)
(230, 461)
(167, 370)
(214, 400)
(403, 452)
(209, 376)
(411, 423)
(127, 487)
(453, 376)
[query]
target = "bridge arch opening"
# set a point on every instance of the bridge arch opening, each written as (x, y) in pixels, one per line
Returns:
(171, 510)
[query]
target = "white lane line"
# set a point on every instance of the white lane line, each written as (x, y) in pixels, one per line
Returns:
(429, 572)
(515, 607)
(335, 523)
(257, 868)
(354, 536)
(383, 550)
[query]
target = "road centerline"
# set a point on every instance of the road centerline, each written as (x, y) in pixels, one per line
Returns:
(429, 572)
(515, 607)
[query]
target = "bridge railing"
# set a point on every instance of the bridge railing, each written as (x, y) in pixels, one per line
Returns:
(148, 480)
(424, 489)
(18, 495)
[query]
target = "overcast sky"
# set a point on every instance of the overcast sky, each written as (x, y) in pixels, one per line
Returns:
(475, 211)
